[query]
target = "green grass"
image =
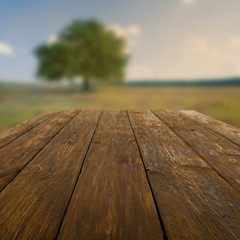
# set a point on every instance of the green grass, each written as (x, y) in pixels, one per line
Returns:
(19, 104)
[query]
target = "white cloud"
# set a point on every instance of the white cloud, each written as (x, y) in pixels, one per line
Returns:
(119, 31)
(52, 39)
(188, 2)
(130, 33)
(204, 58)
(5, 49)
(133, 30)
(196, 46)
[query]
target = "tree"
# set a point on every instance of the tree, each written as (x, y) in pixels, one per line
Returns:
(85, 48)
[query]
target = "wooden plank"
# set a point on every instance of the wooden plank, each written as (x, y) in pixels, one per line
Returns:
(193, 200)
(33, 204)
(12, 133)
(230, 132)
(112, 199)
(220, 153)
(14, 156)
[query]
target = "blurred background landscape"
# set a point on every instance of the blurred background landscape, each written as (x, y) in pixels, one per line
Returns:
(170, 54)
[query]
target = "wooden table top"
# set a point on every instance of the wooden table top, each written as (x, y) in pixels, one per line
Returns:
(117, 174)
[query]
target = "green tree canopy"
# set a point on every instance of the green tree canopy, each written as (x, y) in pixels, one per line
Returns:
(85, 48)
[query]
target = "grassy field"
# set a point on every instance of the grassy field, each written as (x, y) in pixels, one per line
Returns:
(18, 104)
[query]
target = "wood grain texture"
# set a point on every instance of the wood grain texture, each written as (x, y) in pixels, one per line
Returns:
(33, 204)
(219, 152)
(14, 156)
(112, 199)
(12, 133)
(193, 200)
(230, 132)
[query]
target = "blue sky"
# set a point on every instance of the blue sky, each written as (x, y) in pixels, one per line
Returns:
(166, 38)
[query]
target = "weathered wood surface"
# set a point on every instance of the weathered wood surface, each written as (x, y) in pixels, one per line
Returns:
(12, 133)
(219, 152)
(230, 132)
(117, 202)
(120, 175)
(14, 156)
(189, 193)
(33, 205)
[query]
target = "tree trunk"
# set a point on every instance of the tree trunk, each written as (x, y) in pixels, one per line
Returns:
(86, 84)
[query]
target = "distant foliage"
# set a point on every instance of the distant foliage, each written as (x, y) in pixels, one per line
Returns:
(85, 48)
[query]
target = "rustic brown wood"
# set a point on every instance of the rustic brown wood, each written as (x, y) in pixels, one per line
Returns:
(219, 152)
(14, 156)
(33, 204)
(112, 199)
(193, 200)
(12, 133)
(230, 132)
(129, 175)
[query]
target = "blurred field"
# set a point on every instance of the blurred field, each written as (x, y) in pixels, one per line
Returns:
(18, 104)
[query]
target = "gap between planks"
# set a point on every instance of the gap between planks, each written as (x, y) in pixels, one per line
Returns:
(193, 148)
(49, 167)
(117, 202)
(154, 199)
(167, 155)
(146, 173)
(84, 158)
(230, 132)
(8, 177)
(17, 131)
(220, 153)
